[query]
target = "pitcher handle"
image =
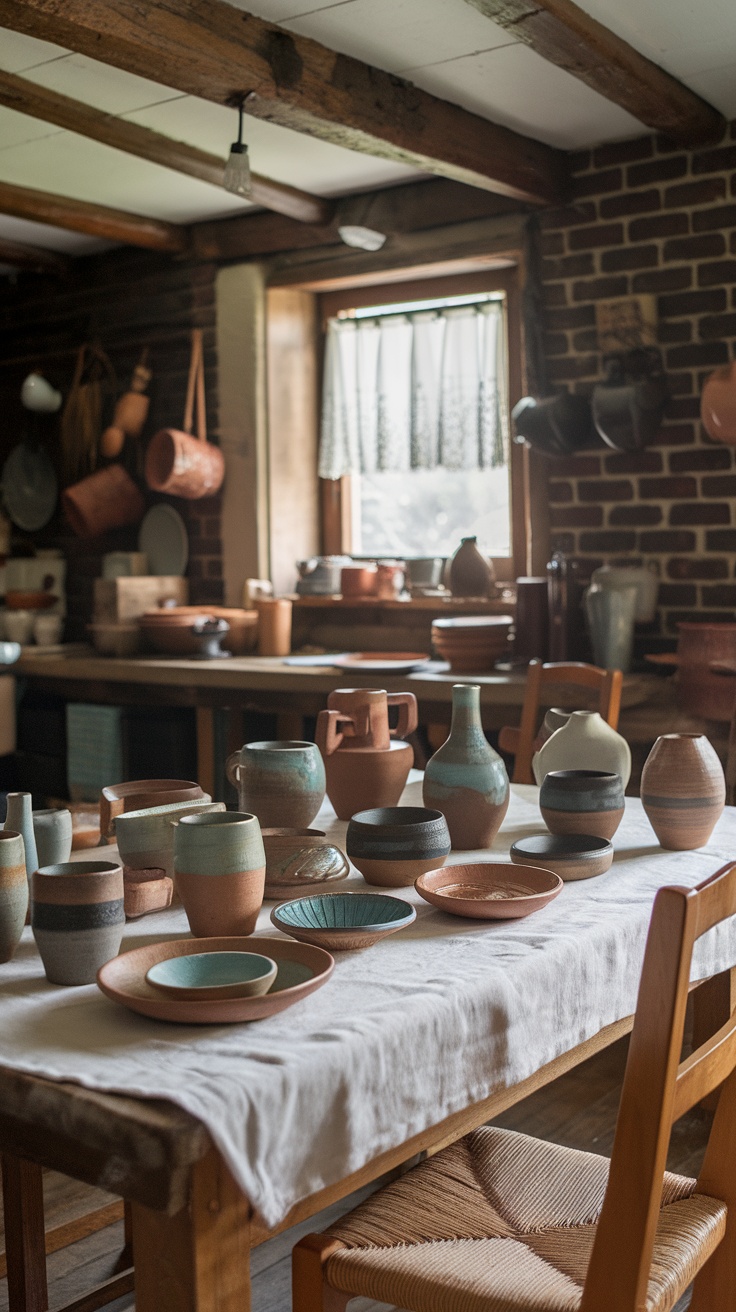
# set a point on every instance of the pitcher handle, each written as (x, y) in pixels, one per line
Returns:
(408, 713)
(110, 809)
(232, 769)
(329, 736)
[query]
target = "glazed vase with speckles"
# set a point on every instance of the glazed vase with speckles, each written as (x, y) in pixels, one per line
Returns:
(683, 790)
(466, 779)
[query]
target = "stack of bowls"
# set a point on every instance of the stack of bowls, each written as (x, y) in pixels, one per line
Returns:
(472, 643)
(170, 629)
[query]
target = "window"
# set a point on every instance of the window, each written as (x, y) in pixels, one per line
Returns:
(415, 412)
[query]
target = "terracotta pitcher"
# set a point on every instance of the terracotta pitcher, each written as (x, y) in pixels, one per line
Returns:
(178, 463)
(360, 717)
(365, 766)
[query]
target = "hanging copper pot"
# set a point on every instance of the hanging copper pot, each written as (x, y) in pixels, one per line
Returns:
(178, 463)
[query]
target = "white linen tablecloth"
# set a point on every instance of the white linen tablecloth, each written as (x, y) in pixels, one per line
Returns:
(403, 1034)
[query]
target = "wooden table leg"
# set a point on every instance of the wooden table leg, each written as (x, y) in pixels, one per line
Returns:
(25, 1244)
(199, 1259)
(713, 1003)
(206, 749)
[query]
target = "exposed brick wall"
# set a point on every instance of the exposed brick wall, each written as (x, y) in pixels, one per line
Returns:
(646, 218)
(123, 299)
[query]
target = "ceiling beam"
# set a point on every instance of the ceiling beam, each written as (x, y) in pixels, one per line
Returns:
(29, 98)
(94, 220)
(32, 258)
(210, 49)
(567, 36)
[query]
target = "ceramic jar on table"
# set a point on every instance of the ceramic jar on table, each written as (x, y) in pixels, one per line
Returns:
(281, 783)
(366, 763)
(220, 872)
(466, 779)
(19, 818)
(683, 790)
(77, 917)
(53, 833)
(585, 742)
(13, 892)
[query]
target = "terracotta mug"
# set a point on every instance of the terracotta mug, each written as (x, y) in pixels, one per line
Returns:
(358, 580)
(274, 626)
(361, 717)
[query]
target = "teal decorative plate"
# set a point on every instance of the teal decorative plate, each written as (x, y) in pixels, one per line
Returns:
(343, 920)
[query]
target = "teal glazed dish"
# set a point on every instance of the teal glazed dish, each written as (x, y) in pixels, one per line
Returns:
(392, 846)
(343, 921)
(205, 975)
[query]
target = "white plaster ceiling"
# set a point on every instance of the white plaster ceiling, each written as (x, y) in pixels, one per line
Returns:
(445, 46)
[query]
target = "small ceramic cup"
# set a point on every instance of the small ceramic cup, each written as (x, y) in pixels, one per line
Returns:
(281, 783)
(392, 846)
(220, 872)
(53, 833)
(582, 802)
(13, 892)
(77, 917)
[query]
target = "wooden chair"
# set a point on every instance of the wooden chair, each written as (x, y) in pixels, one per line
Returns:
(500, 1222)
(519, 742)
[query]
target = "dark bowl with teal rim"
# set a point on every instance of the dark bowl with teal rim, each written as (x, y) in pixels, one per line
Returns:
(571, 856)
(392, 846)
(582, 802)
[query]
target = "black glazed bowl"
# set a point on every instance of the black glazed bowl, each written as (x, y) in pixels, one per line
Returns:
(392, 846)
(582, 802)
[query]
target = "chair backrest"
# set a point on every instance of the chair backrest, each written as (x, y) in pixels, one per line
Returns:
(607, 683)
(658, 1088)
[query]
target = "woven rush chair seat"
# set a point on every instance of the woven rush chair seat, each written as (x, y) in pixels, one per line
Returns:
(500, 1222)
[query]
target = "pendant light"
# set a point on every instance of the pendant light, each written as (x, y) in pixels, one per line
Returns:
(237, 170)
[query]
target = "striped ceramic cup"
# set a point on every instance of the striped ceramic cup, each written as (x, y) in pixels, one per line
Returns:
(77, 917)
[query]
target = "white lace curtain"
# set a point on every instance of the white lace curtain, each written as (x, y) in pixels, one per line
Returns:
(415, 392)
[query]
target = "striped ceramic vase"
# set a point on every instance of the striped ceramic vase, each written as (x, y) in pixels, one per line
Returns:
(13, 892)
(77, 917)
(683, 790)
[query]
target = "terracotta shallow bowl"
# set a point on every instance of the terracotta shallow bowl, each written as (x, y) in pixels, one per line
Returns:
(571, 856)
(301, 969)
(343, 921)
(489, 890)
(208, 976)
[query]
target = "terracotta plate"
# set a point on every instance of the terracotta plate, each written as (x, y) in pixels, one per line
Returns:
(382, 662)
(488, 890)
(301, 969)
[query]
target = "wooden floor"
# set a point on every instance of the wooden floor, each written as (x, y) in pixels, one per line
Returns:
(579, 1111)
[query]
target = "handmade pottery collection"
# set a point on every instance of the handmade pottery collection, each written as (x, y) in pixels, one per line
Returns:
(585, 740)
(366, 763)
(220, 871)
(582, 802)
(465, 779)
(278, 782)
(53, 833)
(13, 892)
(391, 846)
(77, 917)
(683, 790)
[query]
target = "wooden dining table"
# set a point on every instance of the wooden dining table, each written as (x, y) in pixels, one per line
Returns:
(192, 1220)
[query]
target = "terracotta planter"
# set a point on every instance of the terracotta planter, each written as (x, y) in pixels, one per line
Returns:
(718, 404)
(178, 463)
(78, 917)
(283, 784)
(13, 892)
(683, 790)
(466, 779)
(274, 626)
(220, 868)
(107, 499)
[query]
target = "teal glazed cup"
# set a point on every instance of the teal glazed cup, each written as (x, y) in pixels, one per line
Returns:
(53, 833)
(13, 892)
(220, 872)
(77, 917)
(281, 783)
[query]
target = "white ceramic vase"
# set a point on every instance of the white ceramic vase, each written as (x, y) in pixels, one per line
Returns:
(586, 742)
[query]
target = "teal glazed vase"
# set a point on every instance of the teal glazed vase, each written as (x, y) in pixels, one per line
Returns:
(466, 779)
(19, 818)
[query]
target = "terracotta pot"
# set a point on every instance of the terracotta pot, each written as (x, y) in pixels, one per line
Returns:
(683, 790)
(366, 777)
(220, 870)
(107, 499)
(78, 918)
(13, 892)
(582, 802)
(274, 626)
(392, 846)
(361, 718)
(358, 580)
(469, 572)
(718, 404)
(169, 629)
(466, 779)
(282, 783)
(176, 462)
(137, 794)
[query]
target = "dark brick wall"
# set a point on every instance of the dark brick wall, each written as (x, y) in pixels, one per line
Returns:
(124, 300)
(645, 218)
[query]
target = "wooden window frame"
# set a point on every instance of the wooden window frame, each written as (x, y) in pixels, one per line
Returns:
(335, 495)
